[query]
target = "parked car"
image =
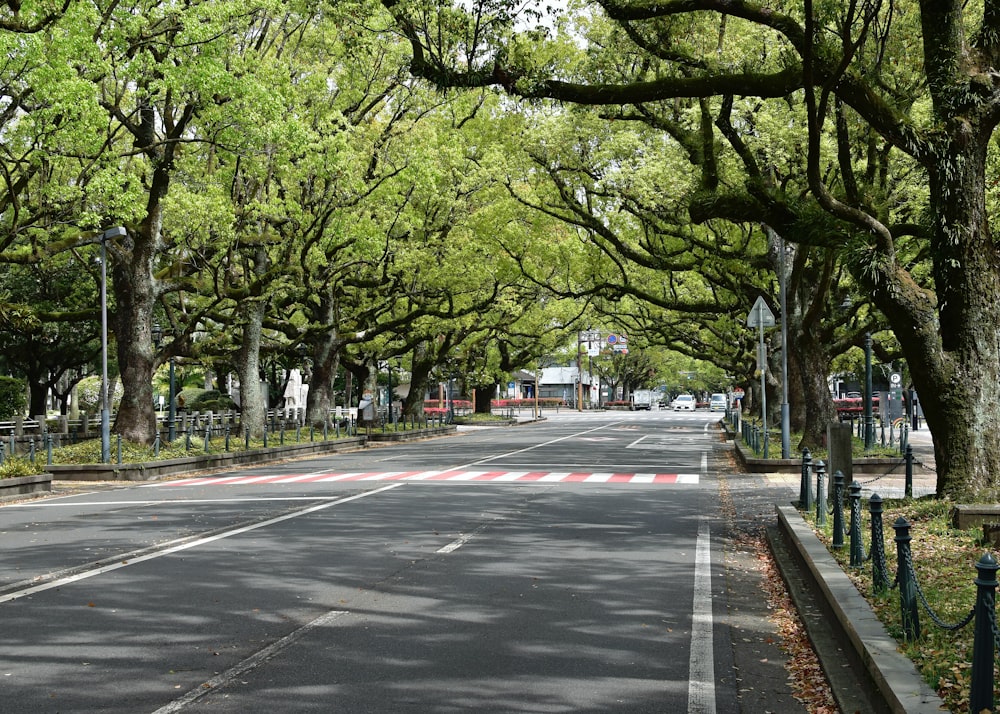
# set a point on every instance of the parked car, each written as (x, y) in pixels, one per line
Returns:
(717, 403)
(684, 402)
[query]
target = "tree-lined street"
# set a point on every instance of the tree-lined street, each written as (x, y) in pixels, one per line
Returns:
(270, 590)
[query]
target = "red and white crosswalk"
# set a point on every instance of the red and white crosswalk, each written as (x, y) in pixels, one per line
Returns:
(449, 476)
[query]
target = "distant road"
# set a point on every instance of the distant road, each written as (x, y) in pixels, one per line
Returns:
(565, 566)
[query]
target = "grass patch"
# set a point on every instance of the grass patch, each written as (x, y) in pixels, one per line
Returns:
(89, 451)
(944, 560)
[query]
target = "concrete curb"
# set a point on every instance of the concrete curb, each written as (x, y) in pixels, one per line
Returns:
(893, 674)
(17, 486)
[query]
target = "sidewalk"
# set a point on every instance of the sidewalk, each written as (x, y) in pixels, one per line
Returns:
(890, 485)
(893, 485)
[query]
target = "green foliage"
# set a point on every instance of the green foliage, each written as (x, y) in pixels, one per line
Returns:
(203, 400)
(88, 394)
(15, 466)
(944, 561)
(13, 399)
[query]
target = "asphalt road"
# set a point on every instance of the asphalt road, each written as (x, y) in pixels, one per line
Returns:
(574, 565)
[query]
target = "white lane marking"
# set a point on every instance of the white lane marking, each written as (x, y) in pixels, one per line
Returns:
(423, 475)
(186, 546)
(538, 446)
(172, 501)
(701, 665)
(462, 540)
(250, 663)
(340, 477)
(383, 476)
(511, 476)
(457, 543)
(554, 476)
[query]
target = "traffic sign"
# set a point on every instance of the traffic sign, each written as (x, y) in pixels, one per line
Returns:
(760, 314)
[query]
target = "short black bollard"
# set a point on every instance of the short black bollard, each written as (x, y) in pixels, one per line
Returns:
(227, 439)
(820, 493)
(857, 547)
(984, 642)
(208, 437)
(908, 492)
(904, 578)
(156, 445)
(805, 486)
(48, 448)
(246, 439)
(880, 574)
(838, 510)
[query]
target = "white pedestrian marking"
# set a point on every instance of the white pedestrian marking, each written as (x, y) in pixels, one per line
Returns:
(450, 476)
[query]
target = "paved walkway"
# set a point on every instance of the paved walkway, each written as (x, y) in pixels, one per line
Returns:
(891, 485)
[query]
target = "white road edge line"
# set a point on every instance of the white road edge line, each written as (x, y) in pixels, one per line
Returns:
(701, 665)
(186, 546)
(250, 663)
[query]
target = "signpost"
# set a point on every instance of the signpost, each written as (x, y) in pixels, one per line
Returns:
(761, 316)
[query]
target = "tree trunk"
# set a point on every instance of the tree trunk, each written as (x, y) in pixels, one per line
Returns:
(484, 398)
(422, 364)
(133, 329)
(958, 375)
(813, 366)
(253, 412)
(325, 357)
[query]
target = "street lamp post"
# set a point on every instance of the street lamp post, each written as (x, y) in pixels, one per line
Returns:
(116, 232)
(388, 367)
(786, 447)
(869, 419)
(157, 340)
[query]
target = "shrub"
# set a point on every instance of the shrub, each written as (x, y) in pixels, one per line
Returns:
(13, 397)
(88, 394)
(13, 467)
(204, 400)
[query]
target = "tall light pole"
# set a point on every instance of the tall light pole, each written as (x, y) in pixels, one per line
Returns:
(869, 418)
(116, 232)
(157, 340)
(786, 447)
